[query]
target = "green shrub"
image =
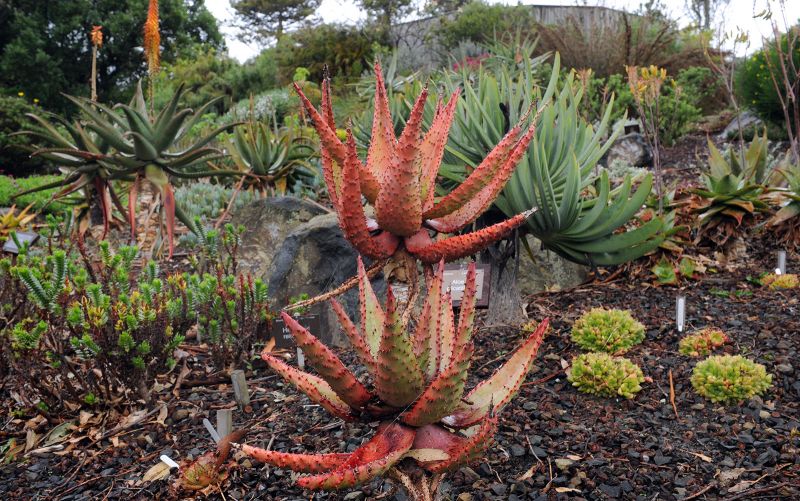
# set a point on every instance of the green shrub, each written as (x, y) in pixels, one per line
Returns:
(270, 106)
(207, 201)
(785, 281)
(606, 376)
(702, 342)
(754, 82)
(14, 157)
(255, 76)
(730, 378)
(205, 73)
(610, 331)
(10, 186)
(478, 21)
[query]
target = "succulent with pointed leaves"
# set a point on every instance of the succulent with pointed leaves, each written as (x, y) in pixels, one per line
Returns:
(417, 390)
(399, 177)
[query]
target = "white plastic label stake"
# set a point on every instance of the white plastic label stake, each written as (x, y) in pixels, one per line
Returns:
(301, 359)
(168, 461)
(781, 269)
(680, 313)
(211, 430)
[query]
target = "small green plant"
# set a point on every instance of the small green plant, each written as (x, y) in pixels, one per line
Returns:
(702, 342)
(777, 282)
(606, 376)
(730, 378)
(610, 331)
(299, 299)
(667, 273)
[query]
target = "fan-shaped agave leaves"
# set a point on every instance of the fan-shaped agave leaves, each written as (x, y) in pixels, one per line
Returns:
(416, 388)
(399, 176)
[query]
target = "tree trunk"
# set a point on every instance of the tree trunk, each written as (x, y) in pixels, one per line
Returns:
(505, 300)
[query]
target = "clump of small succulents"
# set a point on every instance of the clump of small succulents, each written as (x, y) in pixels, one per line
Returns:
(605, 375)
(784, 281)
(730, 378)
(702, 342)
(417, 392)
(610, 331)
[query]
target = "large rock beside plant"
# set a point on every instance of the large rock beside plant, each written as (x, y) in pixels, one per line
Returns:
(298, 248)
(548, 271)
(630, 149)
(747, 120)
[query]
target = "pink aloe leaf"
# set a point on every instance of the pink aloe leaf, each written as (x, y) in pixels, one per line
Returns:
(372, 315)
(459, 246)
(355, 337)
(447, 332)
(314, 387)
(426, 335)
(371, 460)
(398, 207)
(328, 365)
(466, 317)
(467, 450)
(432, 150)
(301, 463)
(443, 394)
(352, 218)
(398, 379)
(490, 396)
(382, 143)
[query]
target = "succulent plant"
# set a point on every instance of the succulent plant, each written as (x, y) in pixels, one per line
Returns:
(702, 342)
(610, 331)
(13, 220)
(417, 390)
(147, 146)
(730, 378)
(604, 375)
(785, 223)
(399, 176)
(783, 281)
(270, 159)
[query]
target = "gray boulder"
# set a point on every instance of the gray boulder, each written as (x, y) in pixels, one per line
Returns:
(746, 120)
(630, 149)
(297, 247)
(548, 271)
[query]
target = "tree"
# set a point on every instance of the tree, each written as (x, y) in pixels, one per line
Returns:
(45, 48)
(266, 19)
(386, 12)
(703, 12)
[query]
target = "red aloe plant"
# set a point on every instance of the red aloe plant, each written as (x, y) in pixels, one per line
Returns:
(416, 391)
(399, 176)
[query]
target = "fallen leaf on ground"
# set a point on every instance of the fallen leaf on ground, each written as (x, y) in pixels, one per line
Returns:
(156, 472)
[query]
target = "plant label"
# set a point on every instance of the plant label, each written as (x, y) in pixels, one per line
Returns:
(680, 313)
(301, 358)
(22, 236)
(455, 278)
(781, 269)
(168, 461)
(211, 431)
(283, 336)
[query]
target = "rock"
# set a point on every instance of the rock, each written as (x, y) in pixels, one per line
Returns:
(784, 368)
(353, 496)
(747, 120)
(548, 271)
(517, 450)
(296, 247)
(612, 491)
(631, 149)
(563, 464)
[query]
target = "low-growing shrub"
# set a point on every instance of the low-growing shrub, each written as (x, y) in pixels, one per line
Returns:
(730, 378)
(41, 200)
(702, 342)
(610, 331)
(606, 376)
(778, 282)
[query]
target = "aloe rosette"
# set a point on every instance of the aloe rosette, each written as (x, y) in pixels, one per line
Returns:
(398, 179)
(417, 389)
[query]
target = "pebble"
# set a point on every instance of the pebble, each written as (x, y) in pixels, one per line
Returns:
(564, 463)
(784, 368)
(612, 491)
(517, 450)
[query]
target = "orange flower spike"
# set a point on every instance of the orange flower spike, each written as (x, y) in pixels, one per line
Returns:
(152, 38)
(96, 36)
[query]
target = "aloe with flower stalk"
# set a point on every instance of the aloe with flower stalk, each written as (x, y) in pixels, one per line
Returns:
(398, 180)
(416, 392)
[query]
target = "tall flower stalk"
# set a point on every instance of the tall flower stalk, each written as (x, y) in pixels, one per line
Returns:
(152, 45)
(96, 36)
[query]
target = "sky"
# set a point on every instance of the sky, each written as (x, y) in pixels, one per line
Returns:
(736, 13)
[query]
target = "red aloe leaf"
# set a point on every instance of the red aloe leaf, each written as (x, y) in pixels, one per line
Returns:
(447, 332)
(398, 207)
(332, 149)
(351, 215)
(482, 176)
(490, 396)
(382, 143)
(475, 202)
(466, 317)
(432, 150)
(443, 394)
(372, 315)
(301, 463)
(464, 451)
(314, 387)
(426, 335)
(459, 246)
(328, 365)
(370, 460)
(355, 337)
(133, 194)
(398, 378)
(169, 213)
